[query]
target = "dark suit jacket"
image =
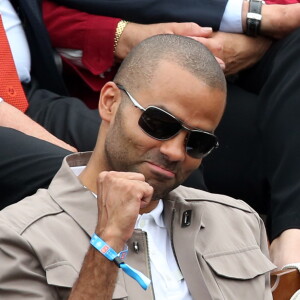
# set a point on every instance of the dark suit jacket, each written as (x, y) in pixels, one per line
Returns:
(203, 12)
(44, 68)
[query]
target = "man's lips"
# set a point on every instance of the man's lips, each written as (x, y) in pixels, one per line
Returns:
(162, 171)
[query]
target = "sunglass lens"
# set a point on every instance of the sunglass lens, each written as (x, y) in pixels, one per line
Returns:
(200, 144)
(162, 126)
(158, 124)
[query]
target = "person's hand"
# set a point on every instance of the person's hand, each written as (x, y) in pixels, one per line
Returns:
(285, 248)
(240, 51)
(121, 195)
(135, 33)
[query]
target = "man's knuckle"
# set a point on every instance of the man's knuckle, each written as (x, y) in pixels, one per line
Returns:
(102, 176)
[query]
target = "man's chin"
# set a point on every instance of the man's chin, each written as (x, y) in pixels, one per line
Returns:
(161, 190)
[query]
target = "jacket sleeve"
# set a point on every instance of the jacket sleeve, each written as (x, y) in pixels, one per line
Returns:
(264, 246)
(92, 34)
(203, 12)
(21, 276)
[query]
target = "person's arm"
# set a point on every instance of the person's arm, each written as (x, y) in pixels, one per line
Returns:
(285, 248)
(204, 13)
(91, 34)
(13, 118)
(94, 35)
(277, 20)
(121, 195)
(240, 51)
(135, 33)
(263, 243)
(20, 272)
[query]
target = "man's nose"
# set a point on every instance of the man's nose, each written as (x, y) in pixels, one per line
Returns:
(174, 148)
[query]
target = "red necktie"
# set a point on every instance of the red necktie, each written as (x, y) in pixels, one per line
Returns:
(10, 87)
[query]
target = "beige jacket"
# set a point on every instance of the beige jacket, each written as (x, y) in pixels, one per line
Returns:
(219, 243)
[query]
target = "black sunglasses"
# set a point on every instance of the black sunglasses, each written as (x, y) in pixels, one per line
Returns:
(161, 125)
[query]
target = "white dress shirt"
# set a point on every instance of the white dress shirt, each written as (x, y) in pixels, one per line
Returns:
(17, 40)
(232, 17)
(168, 282)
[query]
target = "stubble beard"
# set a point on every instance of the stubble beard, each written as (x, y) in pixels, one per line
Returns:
(118, 160)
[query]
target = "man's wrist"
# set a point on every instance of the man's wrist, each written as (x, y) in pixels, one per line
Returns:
(106, 250)
(117, 258)
(254, 17)
(112, 237)
(119, 30)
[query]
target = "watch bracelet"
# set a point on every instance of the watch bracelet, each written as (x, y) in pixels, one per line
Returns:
(119, 30)
(254, 17)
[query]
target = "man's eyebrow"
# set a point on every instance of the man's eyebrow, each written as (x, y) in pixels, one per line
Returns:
(179, 119)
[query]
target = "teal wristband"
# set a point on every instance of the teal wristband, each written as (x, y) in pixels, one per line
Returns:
(117, 258)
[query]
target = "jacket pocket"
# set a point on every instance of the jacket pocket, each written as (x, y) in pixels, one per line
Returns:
(241, 274)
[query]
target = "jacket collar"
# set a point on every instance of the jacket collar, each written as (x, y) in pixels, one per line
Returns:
(73, 197)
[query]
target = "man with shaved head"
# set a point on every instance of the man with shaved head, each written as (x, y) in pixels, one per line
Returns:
(115, 223)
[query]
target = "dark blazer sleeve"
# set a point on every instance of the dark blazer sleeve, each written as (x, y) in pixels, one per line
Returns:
(203, 12)
(43, 66)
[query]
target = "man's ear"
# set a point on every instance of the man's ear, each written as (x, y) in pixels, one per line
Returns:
(109, 101)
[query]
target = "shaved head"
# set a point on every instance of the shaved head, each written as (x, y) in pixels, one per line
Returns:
(138, 67)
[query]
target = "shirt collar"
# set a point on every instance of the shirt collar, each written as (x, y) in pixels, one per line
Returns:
(155, 214)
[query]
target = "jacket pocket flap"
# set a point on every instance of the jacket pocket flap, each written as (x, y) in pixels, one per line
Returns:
(61, 274)
(241, 264)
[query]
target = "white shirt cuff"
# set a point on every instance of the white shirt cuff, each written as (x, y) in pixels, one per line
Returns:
(232, 17)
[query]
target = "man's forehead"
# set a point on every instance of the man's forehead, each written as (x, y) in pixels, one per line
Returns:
(191, 108)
